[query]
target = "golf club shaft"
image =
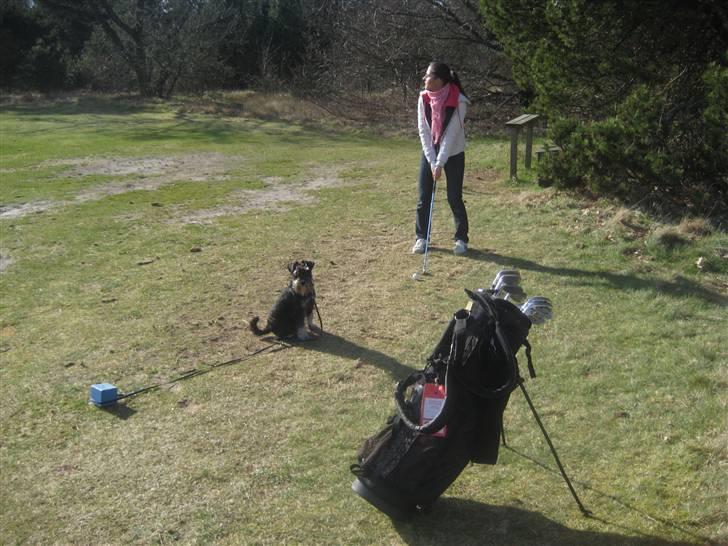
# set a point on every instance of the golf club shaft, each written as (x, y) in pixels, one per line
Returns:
(429, 226)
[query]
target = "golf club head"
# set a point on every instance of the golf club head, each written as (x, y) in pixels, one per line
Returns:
(537, 304)
(541, 312)
(538, 309)
(512, 273)
(537, 318)
(507, 280)
(538, 312)
(507, 286)
(420, 275)
(533, 301)
(511, 280)
(539, 300)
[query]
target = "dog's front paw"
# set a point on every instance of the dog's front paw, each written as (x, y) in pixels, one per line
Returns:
(306, 336)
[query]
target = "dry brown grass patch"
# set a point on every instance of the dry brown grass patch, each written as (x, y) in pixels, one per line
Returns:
(695, 228)
(530, 199)
(668, 237)
(270, 106)
(628, 224)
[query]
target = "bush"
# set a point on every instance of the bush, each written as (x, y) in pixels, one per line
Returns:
(637, 94)
(638, 157)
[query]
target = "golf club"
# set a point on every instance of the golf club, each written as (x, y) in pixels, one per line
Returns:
(504, 280)
(511, 293)
(538, 309)
(506, 286)
(536, 306)
(507, 272)
(417, 275)
(538, 315)
(540, 300)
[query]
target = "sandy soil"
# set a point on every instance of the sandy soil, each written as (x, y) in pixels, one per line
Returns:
(151, 173)
(277, 195)
(5, 262)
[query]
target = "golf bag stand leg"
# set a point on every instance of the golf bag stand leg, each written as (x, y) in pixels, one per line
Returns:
(429, 226)
(584, 511)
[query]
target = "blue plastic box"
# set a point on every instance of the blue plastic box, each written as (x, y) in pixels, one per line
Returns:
(103, 394)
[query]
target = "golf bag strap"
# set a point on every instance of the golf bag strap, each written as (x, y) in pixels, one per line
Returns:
(512, 381)
(531, 369)
(459, 339)
(439, 421)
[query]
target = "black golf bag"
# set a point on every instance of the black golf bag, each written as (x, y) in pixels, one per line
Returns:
(448, 414)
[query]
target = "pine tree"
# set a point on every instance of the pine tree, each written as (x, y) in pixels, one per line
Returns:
(635, 93)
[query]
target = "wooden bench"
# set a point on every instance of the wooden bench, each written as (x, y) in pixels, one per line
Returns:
(515, 125)
(543, 150)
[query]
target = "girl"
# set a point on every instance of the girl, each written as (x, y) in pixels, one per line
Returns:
(441, 112)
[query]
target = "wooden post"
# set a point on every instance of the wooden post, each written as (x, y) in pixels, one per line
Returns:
(514, 126)
(529, 144)
(514, 150)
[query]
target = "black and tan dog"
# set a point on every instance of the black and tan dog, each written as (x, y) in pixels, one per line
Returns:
(292, 314)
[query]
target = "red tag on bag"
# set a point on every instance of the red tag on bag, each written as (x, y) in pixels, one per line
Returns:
(433, 399)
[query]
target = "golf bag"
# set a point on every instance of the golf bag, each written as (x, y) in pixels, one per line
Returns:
(448, 414)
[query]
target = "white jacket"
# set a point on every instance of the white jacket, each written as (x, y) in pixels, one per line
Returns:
(452, 141)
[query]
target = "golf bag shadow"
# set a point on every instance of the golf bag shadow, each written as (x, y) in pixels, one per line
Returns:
(407, 465)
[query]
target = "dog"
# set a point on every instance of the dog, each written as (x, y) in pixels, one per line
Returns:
(292, 315)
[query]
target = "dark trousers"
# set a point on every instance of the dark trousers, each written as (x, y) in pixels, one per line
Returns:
(454, 172)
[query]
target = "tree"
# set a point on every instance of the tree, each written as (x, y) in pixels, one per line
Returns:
(634, 91)
(161, 41)
(37, 51)
(270, 41)
(385, 44)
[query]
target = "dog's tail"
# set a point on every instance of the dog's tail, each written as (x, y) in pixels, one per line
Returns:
(253, 325)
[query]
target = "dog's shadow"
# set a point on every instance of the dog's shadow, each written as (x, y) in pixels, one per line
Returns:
(333, 344)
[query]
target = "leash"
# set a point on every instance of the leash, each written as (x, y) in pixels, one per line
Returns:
(197, 371)
(315, 306)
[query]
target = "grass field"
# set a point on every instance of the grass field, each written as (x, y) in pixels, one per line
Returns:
(136, 240)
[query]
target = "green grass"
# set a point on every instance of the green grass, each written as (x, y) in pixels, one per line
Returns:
(110, 287)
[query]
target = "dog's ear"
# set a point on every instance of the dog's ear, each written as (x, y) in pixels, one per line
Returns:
(292, 267)
(309, 264)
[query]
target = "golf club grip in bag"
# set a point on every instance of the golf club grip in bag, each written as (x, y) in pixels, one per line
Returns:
(409, 464)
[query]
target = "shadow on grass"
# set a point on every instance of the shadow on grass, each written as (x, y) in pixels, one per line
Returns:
(477, 523)
(680, 287)
(122, 411)
(338, 346)
(650, 517)
(215, 127)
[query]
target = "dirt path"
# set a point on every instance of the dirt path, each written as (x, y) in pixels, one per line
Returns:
(151, 173)
(277, 195)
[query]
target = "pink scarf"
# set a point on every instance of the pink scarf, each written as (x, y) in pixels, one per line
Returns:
(449, 95)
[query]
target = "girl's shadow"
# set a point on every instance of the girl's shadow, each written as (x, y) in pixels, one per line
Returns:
(338, 346)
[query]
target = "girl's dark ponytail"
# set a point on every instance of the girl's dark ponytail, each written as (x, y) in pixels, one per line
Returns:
(456, 80)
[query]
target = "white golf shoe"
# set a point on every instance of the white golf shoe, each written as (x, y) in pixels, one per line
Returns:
(419, 247)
